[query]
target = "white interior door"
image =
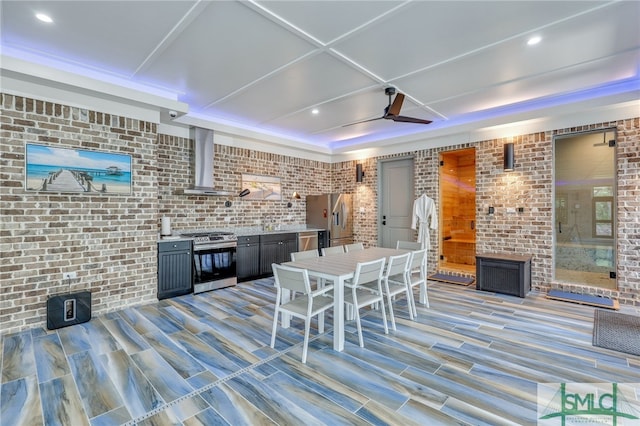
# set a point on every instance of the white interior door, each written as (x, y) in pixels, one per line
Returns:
(395, 201)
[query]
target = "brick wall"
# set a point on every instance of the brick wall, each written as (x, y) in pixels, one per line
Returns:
(109, 240)
(530, 186)
(190, 212)
(628, 231)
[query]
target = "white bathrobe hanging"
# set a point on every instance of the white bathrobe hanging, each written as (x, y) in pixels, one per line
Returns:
(424, 218)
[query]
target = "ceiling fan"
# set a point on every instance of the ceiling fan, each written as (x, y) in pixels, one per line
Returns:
(392, 111)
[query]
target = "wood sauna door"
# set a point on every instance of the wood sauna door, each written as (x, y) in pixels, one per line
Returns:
(458, 211)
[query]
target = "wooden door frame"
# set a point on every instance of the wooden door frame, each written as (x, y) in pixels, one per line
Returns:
(441, 216)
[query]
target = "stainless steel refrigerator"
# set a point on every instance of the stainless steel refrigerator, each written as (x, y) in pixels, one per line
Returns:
(333, 212)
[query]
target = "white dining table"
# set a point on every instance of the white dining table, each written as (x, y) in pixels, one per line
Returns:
(338, 268)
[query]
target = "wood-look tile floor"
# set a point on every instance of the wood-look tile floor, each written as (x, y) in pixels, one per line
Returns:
(471, 358)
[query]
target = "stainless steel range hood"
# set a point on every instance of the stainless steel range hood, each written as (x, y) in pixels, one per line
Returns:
(202, 163)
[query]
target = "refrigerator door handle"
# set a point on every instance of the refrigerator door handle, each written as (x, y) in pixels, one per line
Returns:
(343, 209)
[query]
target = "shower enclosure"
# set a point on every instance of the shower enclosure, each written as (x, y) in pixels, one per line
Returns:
(585, 207)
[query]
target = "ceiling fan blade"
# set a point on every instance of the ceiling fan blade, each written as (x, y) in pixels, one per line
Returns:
(395, 107)
(404, 119)
(363, 121)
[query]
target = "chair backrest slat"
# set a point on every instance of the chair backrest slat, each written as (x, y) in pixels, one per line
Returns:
(368, 271)
(408, 245)
(417, 259)
(291, 278)
(398, 265)
(332, 250)
(353, 247)
(307, 254)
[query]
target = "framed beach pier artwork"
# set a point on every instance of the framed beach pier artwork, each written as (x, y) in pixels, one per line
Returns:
(262, 187)
(51, 169)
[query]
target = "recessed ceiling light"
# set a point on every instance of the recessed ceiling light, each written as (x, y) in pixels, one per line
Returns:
(315, 111)
(44, 18)
(534, 40)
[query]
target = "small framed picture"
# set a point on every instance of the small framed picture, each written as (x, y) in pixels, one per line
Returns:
(262, 187)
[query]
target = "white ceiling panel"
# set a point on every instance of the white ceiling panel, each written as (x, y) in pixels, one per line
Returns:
(97, 34)
(217, 55)
(513, 60)
(569, 81)
(266, 64)
(299, 86)
(328, 20)
(423, 34)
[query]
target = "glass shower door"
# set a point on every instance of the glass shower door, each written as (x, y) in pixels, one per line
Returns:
(584, 209)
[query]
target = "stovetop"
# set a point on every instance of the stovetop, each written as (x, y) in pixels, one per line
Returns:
(207, 237)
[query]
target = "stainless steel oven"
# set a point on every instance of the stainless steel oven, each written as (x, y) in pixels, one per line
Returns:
(214, 260)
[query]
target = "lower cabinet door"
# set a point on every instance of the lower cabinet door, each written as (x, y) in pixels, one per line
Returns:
(248, 261)
(175, 275)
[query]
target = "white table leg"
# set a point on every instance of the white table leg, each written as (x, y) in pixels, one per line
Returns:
(338, 315)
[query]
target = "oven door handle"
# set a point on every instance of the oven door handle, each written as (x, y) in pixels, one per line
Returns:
(202, 247)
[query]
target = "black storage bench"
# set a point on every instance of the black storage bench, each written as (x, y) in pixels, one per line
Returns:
(504, 273)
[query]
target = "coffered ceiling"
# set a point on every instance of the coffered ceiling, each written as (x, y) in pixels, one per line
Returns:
(266, 65)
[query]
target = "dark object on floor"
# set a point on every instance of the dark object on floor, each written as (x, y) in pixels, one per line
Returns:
(68, 309)
(583, 299)
(616, 331)
(504, 273)
(453, 279)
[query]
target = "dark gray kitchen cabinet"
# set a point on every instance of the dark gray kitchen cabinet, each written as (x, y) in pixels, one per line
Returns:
(175, 276)
(276, 248)
(248, 257)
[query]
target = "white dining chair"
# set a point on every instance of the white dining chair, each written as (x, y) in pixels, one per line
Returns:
(332, 250)
(353, 247)
(306, 306)
(417, 276)
(307, 254)
(300, 255)
(394, 282)
(358, 295)
(408, 245)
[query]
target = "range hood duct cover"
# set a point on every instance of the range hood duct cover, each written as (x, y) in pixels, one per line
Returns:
(202, 163)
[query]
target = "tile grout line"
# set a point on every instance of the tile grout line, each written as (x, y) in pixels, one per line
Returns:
(225, 379)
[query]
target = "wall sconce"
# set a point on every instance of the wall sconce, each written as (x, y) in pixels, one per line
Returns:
(294, 196)
(508, 157)
(359, 173)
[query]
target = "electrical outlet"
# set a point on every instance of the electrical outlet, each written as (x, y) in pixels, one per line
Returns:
(69, 276)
